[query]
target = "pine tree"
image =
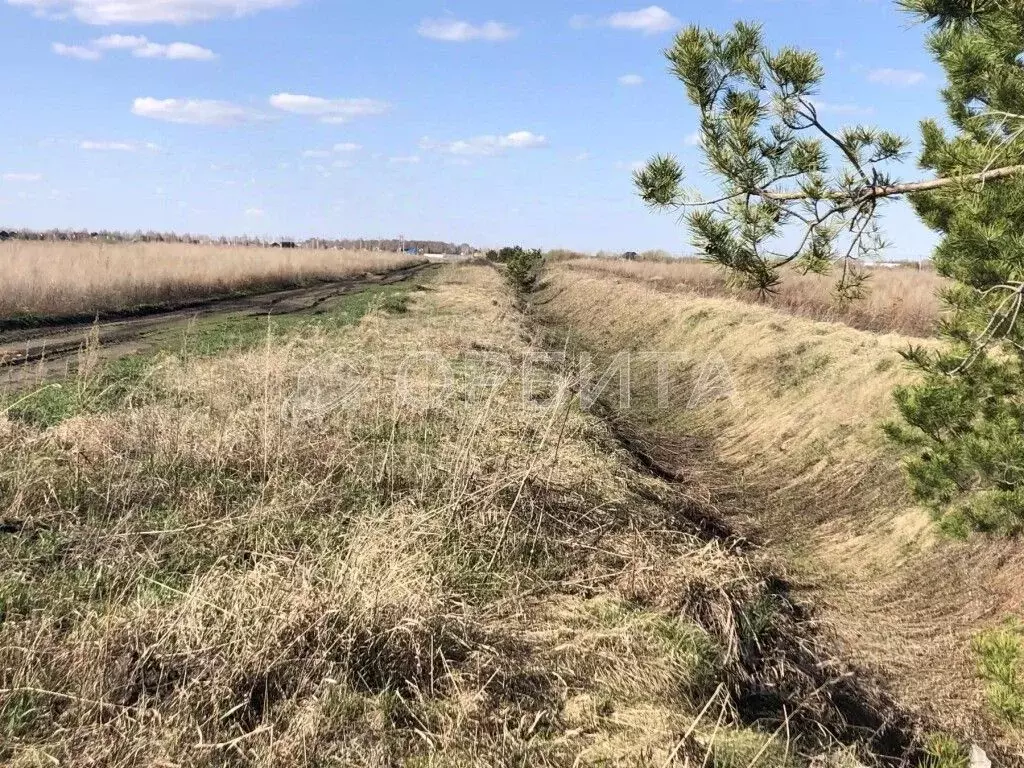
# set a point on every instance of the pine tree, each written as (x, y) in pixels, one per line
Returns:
(797, 193)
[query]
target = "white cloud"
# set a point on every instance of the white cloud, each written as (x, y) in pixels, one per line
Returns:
(630, 80)
(105, 12)
(139, 46)
(76, 52)
(193, 111)
(255, 213)
(636, 165)
(487, 145)
(897, 77)
(23, 177)
(650, 20)
(522, 140)
(582, 157)
(404, 160)
(117, 146)
(328, 110)
(119, 42)
(174, 52)
(456, 31)
(344, 147)
(692, 139)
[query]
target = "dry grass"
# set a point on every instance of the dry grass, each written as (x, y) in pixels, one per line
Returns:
(901, 300)
(60, 279)
(790, 423)
(313, 553)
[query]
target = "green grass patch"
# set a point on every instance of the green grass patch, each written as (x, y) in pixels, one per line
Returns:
(943, 751)
(744, 748)
(690, 648)
(110, 387)
(1000, 659)
(218, 335)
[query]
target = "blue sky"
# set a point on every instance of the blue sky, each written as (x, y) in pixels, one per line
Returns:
(467, 120)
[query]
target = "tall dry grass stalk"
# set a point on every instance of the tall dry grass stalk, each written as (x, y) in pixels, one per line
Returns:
(900, 300)
(47, 279)
(322, 552)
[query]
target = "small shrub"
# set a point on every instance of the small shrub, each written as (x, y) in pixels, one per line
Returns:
(521, 265)
(395, 303)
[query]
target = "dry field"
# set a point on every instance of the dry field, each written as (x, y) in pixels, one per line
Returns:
(66, 279)
(903, 300)
(315, 552)
(787, 437)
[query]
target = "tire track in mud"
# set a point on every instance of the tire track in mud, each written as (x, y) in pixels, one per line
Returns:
(48, 351)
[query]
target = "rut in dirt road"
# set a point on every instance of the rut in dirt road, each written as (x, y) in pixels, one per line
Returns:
(47, 351)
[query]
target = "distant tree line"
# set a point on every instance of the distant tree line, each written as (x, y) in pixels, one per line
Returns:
(113, 236)
(375, 244)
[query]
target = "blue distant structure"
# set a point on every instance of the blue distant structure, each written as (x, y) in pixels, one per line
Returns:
(412, 251)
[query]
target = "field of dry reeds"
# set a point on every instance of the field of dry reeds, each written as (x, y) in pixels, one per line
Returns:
(51, 279)
(320, 551)
(901, 300)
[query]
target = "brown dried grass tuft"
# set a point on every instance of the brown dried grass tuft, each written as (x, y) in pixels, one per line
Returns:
(60, 279)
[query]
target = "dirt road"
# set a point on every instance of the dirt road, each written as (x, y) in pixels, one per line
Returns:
(32, 355)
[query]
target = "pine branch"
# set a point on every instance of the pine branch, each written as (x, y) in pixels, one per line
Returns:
(812, 116)
(864, 194)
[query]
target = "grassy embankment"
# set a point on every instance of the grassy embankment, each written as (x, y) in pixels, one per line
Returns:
(785, 433)
(900, 300)
(45, 281)
(306, 550)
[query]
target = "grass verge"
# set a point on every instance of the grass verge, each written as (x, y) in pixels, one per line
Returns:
(361, 545)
